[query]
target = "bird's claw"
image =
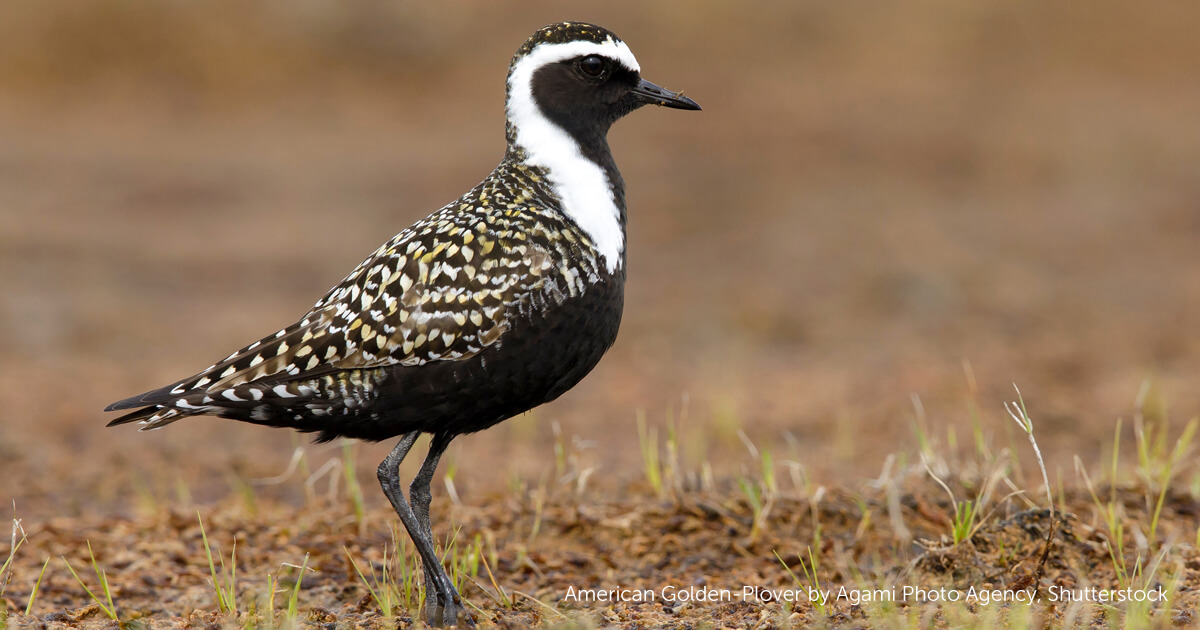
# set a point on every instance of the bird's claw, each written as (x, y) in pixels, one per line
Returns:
(444, 610)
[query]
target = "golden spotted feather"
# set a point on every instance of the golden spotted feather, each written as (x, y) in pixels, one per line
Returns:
(441, 290)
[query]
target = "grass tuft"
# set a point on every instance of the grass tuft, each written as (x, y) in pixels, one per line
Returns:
(293, 607)
(501, 596)
(225, 583)
(383, 588)
(14, 545)
(1026, 423)
(1165, 467)
(353, 489)
(648, 441)
(965, 521)
(107, 606)
(37, 585)
(810, 574)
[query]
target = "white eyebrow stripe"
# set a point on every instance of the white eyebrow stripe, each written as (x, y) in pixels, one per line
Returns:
(580, 183)
(543, 54)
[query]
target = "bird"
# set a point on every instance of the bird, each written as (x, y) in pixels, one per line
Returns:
(498, 302)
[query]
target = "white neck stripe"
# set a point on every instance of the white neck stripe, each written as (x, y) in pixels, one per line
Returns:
(580, 183)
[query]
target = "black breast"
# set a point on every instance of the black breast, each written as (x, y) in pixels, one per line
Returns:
(545, 352)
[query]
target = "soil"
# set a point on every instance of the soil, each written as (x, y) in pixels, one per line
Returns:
(695, 555)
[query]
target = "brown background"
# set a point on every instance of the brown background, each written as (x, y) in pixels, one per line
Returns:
(873, 196)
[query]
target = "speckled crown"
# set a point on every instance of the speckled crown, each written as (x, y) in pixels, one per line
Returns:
(561, 33)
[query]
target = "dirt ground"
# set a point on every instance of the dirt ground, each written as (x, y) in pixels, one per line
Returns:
(884, 217)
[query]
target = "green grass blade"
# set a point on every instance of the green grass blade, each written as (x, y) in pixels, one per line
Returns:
(225, 604)
(294, 600)
(109, 612)
(36, 585)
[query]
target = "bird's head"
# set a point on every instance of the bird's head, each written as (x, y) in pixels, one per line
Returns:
(580, 78)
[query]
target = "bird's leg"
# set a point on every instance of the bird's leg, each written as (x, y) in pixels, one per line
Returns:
(446, 606)
(437, 581)
(418, 492)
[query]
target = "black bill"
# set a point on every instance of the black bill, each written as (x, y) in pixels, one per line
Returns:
(654, 95)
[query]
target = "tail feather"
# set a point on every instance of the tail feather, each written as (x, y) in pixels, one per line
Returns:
(270, 360)
(151, 417)
(153, 397)
(140, 414)
(292, 403)
(305, 403)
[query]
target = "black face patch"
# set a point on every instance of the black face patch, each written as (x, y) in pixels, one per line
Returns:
(584, 104)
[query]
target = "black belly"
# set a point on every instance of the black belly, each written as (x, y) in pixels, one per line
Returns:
(539, 358)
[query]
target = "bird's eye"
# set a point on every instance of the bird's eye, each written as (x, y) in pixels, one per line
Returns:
(593, 66)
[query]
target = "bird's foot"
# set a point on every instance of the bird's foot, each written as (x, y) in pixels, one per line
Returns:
(446, 609)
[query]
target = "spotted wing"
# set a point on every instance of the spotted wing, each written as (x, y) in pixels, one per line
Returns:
(441, 290)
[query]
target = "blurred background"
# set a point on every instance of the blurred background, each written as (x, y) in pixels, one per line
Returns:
(884, 217)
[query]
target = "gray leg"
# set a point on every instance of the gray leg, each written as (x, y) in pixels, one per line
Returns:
(419, 495)
(418, 492)
(438, 588)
